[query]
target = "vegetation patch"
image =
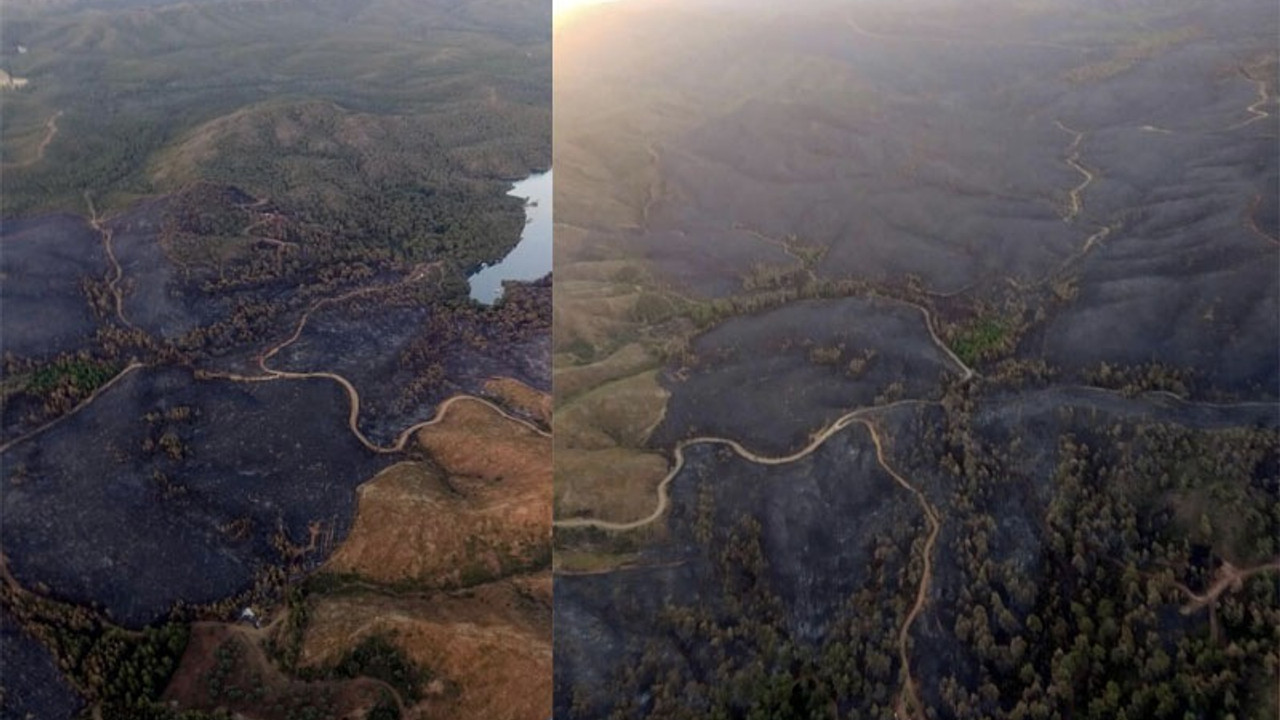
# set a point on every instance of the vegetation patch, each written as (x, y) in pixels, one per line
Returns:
(378, 657)
(122, 670)
(981, 340)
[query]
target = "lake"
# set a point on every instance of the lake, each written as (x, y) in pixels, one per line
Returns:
(531, 258)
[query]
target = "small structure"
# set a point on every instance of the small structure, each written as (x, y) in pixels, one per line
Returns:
(249, 616)
(9, 82)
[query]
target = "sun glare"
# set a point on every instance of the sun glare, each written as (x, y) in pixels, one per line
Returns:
(561, 10)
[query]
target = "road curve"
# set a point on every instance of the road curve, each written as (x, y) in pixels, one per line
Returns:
(1226, 577)
(664, 499)
(417, 274)
(113, 284)
(1255, 110)
(353, 395)
(270, 374)
(50, 132)
(782, 245)
(1073, 159)
(908, 704)
(968, 372)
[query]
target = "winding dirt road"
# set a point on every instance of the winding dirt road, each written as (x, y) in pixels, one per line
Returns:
(1255, 109)
(353, 415)
(1228, 576)
(1073, 159)
(909, 704)
(968, 372)
(50, 132)
(113, 283)
(1075, 199)
(271, 374)
(1101, 233)
(353, 395)
(280, 245)
(664, 499)
(782, 245)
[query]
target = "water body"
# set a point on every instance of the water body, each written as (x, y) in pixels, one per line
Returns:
(531, 258)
